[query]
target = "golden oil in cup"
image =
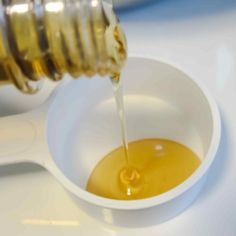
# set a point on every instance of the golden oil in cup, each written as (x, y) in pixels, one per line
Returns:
(155, 166)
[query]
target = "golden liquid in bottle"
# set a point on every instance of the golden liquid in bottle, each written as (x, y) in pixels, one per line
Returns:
(55, 37)
(160, 166)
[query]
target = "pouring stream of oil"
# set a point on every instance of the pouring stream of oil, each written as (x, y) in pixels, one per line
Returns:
(128, 175)
(118, 95)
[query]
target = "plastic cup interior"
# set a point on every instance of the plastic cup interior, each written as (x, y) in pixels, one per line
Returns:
(160, 102)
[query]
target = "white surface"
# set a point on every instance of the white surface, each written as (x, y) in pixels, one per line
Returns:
(125, 3)
(197, 36)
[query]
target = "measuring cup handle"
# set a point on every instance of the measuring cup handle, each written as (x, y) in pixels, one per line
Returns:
(22, 138)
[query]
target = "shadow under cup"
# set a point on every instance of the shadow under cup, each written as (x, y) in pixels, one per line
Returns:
(160, 102)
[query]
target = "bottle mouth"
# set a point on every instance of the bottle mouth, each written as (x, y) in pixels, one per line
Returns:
(53, 38)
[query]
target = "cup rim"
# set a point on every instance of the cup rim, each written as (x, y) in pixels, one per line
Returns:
(164, 197)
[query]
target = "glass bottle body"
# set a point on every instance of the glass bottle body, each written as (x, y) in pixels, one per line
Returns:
(51, 38)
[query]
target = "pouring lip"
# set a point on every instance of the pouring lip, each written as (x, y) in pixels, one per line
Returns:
(167, 196)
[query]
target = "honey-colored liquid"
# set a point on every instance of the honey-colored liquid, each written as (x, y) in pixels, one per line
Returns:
(118, 96)
(160, 166)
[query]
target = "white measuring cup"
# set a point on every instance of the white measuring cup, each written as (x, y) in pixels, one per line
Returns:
(78, 125)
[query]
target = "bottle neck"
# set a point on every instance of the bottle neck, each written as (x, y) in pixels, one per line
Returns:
(53, 38)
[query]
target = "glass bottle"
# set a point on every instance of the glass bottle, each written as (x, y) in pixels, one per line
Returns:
(50, 38)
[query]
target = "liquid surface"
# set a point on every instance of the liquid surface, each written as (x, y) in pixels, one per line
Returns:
(160, 166)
